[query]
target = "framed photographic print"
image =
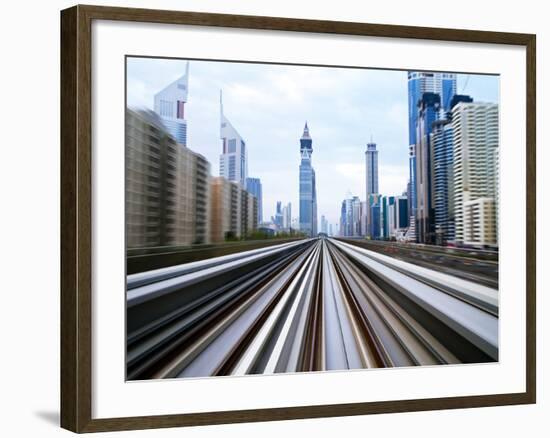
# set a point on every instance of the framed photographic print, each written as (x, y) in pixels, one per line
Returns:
(270, 218)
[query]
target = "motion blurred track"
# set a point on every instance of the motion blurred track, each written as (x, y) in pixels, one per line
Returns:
(310, 305)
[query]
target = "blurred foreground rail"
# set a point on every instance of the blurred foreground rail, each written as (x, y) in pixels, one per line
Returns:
(308, 305)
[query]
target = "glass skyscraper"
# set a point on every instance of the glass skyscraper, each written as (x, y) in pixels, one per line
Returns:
(419, 83)
(254, 187)
(308, 192)
(443, 84)
(428, 111)
(170, 106)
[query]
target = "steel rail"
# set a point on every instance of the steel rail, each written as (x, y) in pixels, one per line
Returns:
(474, 324)
(311, 305)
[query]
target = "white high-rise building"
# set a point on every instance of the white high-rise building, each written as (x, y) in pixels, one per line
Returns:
(324, 224)
(233, 160)
(170, 106)
(287, 216)
(475, 138)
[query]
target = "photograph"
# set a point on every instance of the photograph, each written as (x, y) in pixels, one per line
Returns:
(285, 218)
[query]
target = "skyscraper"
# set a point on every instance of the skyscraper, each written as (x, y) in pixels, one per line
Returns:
(375, 219)
(364, 214)
(308, 192)
(233, 160)
(371, 161)
(324, 225)
(442, 143)
(356, 216)
(388, 216)
(373, 224)
(233, 212)
(278, 218)
(475, 138)
(442, 153)
(443, 84)
(350, 216)
(371, 183)
(170, 106)
(419, 83)
(401, 213)
(411, 194)
(254, 186)
(428, 110)
(287, 216)
(167, 186)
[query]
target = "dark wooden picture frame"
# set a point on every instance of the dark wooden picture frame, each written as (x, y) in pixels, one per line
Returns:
(76, 217)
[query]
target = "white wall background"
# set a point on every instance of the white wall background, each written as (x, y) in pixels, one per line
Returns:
(29, 216)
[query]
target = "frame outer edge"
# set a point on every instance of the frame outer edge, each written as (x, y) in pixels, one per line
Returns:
(531, 218)
(76, 188)
(68, 250)
(76, 224)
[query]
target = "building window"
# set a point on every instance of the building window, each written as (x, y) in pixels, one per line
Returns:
(232, 145)
(232, 170)
(166, 108)
(180, 109)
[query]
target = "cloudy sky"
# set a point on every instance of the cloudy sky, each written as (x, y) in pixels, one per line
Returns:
(269, 104)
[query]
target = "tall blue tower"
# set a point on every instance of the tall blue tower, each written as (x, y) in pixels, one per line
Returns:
(308, 192)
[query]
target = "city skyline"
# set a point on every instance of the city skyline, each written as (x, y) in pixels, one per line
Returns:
(343, 107)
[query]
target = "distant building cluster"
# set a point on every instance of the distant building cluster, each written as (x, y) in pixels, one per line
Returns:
(451, 197)
(171, 197)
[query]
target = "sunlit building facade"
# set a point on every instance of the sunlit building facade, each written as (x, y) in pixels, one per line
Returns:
(475, 139)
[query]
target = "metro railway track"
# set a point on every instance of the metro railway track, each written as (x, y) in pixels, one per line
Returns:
(310, 305)
(474, 265)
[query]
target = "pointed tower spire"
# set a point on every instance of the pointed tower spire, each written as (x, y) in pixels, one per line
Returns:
(306, 131)
(186, 80)
(223, 123)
